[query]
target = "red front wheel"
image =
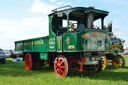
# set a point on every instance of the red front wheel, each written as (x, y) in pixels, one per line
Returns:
(61, 66)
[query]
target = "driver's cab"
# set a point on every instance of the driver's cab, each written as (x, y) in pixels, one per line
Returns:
(77, 19)
(74, 20)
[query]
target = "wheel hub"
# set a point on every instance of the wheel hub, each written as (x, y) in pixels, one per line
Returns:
(57, 66)
(27, 61)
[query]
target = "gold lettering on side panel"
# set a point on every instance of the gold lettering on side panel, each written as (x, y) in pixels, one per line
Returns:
(38, 42)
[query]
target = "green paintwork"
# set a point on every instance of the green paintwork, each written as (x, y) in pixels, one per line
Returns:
(44, 56)
(70, 42)
(93, 40)
(33, 45)
(75, 38)
(59, 43)
(52, 45)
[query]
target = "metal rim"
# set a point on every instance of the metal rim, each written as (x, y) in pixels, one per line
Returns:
(28, 61)
(60, 66)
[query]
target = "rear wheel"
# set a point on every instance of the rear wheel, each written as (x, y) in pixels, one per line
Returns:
(29, 63)
(119, 62)
(104, 62)
(61, 66)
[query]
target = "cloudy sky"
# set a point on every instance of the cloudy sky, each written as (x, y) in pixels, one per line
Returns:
(24, 19)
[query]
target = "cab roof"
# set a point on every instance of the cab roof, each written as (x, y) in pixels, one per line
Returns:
(86, 9)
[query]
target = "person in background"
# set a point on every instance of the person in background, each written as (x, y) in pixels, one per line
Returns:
(14, 56)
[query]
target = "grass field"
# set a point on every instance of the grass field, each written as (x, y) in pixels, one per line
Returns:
(14, 73)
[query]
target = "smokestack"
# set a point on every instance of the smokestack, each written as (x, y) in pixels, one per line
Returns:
(90, 20)
(110, 27)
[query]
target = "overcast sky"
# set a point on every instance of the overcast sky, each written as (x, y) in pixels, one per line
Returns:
(24, 19)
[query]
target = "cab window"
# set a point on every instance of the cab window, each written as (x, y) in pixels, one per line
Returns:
(59, 24)
(78, 19)
(97, 24)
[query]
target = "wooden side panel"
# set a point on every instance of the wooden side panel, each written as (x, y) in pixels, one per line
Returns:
(32, 45)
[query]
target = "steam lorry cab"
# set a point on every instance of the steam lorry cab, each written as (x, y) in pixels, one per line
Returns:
(74, 42)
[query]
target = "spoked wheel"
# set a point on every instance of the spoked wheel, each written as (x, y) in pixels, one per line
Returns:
(104, 62)
(61, 66)
(119, 62)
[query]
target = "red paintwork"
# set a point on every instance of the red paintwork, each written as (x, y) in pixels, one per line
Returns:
(28, 61)
(60, 66)
(46, 61)
(81, 65)
(73, 61)
(114, 61)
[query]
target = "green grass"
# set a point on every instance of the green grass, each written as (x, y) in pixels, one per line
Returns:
(14, 73)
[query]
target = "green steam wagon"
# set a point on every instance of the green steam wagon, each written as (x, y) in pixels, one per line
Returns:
(74, 43)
